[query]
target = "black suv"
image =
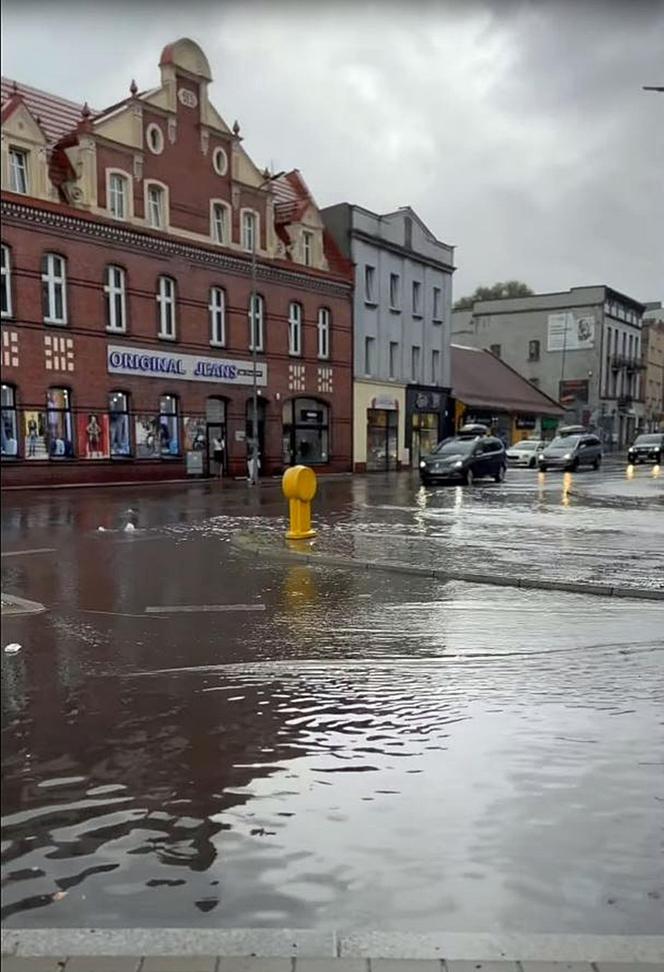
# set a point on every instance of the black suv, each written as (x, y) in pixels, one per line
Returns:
(647, 447)
(470, 455)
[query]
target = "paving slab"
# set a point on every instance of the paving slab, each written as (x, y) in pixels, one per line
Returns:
(14, 964)
(406, 965)
(464, 965)
(556, 967)
(254, 965)
(332, 965)
(99, 963)
(192, 963)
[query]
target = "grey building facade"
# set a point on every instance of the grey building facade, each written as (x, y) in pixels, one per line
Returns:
(582, 347)
(401, 325)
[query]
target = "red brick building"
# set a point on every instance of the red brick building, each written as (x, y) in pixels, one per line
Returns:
(132, 242)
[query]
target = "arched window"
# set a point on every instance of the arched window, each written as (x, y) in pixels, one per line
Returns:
(295, 328)
(217, 308)
(116, 299)
(323, 333)
(166, 308)
(54, 289)
(117, 194)
(220, 222)
(306, 433)
(256, 322)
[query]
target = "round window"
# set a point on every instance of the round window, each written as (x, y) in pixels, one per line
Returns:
(220, 161)
(155, 139)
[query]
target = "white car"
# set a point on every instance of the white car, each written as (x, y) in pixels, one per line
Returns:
(525, 453)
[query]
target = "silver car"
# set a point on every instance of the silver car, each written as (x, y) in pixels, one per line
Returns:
(571, 451)
(525, 453)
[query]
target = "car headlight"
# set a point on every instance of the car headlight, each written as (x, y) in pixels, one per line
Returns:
(422, 464)
(541, 457)
(568, 455)
(458, 464)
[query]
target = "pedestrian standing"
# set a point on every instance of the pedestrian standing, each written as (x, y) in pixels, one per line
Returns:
(218, 448)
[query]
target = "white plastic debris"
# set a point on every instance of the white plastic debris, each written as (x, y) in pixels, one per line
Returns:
(13, 648)
(101, 529)
(129, 528)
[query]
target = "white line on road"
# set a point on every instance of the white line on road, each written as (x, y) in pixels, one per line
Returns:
(193, 608)
(23, 553)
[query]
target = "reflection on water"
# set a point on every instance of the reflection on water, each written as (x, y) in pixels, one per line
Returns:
(630, 471)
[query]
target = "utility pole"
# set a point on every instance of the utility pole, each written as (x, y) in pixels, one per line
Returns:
(255, 442)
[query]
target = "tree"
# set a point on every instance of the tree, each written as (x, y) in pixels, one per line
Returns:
(497, 291)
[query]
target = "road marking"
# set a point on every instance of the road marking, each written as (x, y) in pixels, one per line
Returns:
(116, 614)
(24, 553)
(193, 608)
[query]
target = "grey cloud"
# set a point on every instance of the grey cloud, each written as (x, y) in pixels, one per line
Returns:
(518, 131)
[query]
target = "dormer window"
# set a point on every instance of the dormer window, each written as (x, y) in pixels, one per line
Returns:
(155, 208)
(248, 230)
(118, 195)
(308, 248)
(18, 171)
(220, 223)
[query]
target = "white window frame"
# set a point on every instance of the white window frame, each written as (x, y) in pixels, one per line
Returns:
(435, 367)
(417, 298)
(15, 152)
(217, 308)
(256, 318)
(226, 210)
(53, 280)
(369, 348)
(324, 320)
(219, 152)
(393, 360)
(369, 283)
(415, 362)
(114, 289)
(257, 230)
(156, 130)
(437, 314)
(154, 184)
(166, 298)
(308, 248)
(128, 193)
(395, 291)
(6, 271)
(295, 329)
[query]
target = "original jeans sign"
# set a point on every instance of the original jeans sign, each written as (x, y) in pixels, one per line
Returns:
(148, 363)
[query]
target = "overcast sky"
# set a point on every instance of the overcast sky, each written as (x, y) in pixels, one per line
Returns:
(519, 132)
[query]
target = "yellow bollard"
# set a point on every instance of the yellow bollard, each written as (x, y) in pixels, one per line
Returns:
(299, 487)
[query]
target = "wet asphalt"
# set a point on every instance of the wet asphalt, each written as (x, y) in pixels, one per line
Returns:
(324, 748)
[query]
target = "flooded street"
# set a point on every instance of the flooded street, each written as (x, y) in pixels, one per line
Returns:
(310, 747)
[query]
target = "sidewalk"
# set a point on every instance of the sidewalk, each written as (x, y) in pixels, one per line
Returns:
(211, 964)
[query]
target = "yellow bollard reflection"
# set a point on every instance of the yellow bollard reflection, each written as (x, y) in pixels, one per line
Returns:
(630, 471)
(655, 471)
(567, 486)
(299, 587)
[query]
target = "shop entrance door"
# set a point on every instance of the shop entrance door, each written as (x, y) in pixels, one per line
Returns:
(382, 439)
(215, 432)
(425, 435)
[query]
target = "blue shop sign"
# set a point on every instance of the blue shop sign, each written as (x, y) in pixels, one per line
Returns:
(186, 367)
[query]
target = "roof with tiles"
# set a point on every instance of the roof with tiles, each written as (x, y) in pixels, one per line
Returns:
(292, 196)
(57, 116)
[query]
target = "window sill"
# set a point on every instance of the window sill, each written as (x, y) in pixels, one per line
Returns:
(116, 330)
(7, 316)
(49, 320)
(323, 358)
(294, 354)
(418, 315)
(436, 320)
(395, 310)
(370, 303)
(217, 344)
(167, 337)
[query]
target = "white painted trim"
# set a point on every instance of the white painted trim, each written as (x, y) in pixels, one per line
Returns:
(257, 229)
(7, 274)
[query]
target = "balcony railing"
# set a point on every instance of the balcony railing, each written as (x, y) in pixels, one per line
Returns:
(620, 362)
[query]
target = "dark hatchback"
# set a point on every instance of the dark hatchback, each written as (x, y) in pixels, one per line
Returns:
(648, 447)
(465, 458)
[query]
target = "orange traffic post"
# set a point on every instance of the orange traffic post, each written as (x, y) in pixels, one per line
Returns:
(299, 486)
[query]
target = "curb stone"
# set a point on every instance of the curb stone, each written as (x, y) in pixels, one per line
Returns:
(249, 544)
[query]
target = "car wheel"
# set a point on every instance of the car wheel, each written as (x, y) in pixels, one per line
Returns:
(597, 462)
(469, 477)
(532, 463)
(573, 466)
(425, 480)
(543, 467)
(500, 475)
